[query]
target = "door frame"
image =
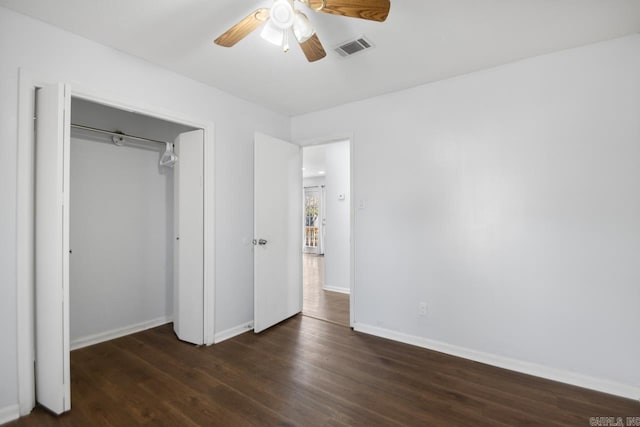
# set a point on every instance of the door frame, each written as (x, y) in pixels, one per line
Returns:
(25, 216)
(352, 206)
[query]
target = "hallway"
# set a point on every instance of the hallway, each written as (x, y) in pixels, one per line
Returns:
(318, 303)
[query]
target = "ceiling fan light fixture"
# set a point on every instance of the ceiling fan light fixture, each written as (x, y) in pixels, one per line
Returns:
(282, 17)
(272, 33)
(282, 14)
(302, 28)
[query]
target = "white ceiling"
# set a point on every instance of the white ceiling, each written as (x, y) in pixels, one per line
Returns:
(421, 41)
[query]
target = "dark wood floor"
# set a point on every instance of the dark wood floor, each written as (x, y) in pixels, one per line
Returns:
(318, 303)
(308, 372)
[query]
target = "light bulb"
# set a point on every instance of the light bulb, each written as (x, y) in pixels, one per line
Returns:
(272, 34)
(282, 14)
(302, 27)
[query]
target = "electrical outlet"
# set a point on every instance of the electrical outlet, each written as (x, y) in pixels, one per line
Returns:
(422, 309)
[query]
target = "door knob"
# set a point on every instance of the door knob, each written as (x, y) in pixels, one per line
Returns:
(262, 242)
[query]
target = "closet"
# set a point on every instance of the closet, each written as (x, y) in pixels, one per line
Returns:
(119, 231)
(122, 220)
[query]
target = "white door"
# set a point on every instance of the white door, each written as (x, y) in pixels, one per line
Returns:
(188, 302)
(53, 379)
(277, 231)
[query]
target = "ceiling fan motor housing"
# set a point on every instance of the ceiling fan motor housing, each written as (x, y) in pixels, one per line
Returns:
(282, 14)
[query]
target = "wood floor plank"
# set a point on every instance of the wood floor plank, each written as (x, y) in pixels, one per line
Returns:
(205, 396)
(396, 369)
(252, 390)
(268, 367)
(537, 389)
(399, 394)
(308, 372)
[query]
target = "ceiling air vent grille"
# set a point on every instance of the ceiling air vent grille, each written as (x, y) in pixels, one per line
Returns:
(354, 46)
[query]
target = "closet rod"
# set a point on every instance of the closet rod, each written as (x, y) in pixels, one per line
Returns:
(124, 135)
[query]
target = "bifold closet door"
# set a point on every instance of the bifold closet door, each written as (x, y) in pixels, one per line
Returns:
(188, 304)
(53, 379)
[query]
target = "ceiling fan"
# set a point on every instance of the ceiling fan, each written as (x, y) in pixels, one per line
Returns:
(283, 17)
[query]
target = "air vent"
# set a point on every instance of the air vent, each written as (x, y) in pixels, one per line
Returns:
(354, 46)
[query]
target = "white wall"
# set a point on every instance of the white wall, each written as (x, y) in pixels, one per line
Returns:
(122, 203)
(509, 201)
(46, 50)
(337, 258)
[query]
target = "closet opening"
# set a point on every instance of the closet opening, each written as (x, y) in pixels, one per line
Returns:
(123, 220)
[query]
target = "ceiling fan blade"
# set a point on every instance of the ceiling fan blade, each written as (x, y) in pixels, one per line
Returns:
(373, 10)
(243, 28)
(313, 49)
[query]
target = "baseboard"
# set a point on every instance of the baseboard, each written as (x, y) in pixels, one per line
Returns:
(337, 289)
(9, 413)
(232, 332)
(120, 332)
(597, 384)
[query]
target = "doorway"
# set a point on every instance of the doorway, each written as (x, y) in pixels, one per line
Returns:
(326, 245)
